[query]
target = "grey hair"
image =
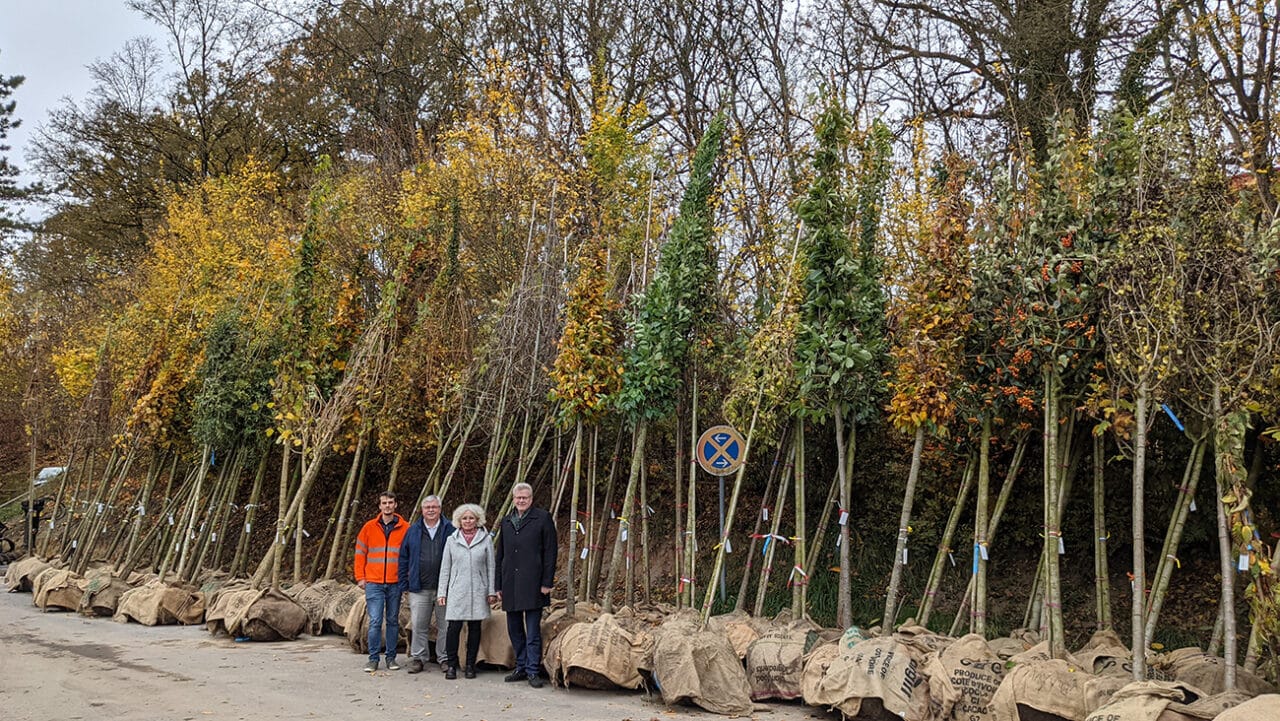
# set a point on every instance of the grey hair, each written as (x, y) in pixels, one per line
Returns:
(432, 497)
(521, 487)
(471, 508)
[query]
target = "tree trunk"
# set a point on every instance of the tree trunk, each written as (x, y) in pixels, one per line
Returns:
(1139, 633)
(1053, 533)
(844, 597)
(889, 620)
(1101, 575)
(799, 578)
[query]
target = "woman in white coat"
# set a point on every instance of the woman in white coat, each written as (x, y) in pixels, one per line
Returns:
(466, 584)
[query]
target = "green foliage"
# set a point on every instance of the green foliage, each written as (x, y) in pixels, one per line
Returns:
(11, 193)
(680, 299)
(231, 406)
(840, 346)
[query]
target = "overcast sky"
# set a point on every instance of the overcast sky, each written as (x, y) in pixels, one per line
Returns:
(51, 42)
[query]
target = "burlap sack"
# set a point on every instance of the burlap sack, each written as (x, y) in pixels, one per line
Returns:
(1147, 701)
(739, 627)
(1205, 672)
(921, 639)
(701, 667)
(270, 616)
(102, 594)
(598, 655)
(1037, 653)
(815, 668)
(57, 590)
(1006, 648)
(226, 607)
(1262, 708)
(22, 574)
(962, 679)
(495, 642)
(776, 661)
(1098, 690)
(1052, 690)
(338, 607)
(877, 676)
(314, 597)
(1102, 646)
(157, 604)
(555, 622)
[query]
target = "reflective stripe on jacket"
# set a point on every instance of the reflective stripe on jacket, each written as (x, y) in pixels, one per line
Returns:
(378, 553)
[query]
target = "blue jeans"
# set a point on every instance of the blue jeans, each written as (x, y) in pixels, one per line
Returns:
(383, 602)
(525, 630)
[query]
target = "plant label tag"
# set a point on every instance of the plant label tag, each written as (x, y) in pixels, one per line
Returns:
(764, 513)
(246, 528)
(844, 516)
(728, 547)
(952, 556)
(1062, 549)
(1244, 562)
(584, 554)
(983, 551)
(904, 556)
(213, 537)
(624, 535)
(1193, 505)
(170, 519)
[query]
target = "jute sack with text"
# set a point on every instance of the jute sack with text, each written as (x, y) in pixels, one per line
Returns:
(1263, 707)
(776, 660)
(1052, 690)
(962, 679)
(338, 607)
(315, 599)
(599, 655)
(879, 675)
(1102, 645)
(1206, 672)
(700, 667)
(22, 574)
(1147, 701)
(57, 590)
(226, 607)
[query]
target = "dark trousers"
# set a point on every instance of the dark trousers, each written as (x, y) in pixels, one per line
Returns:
(525, 630)
(473, 642)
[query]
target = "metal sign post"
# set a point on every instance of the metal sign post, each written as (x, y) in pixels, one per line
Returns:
(720, 452)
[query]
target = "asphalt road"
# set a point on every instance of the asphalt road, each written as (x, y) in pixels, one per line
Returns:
(63, 666)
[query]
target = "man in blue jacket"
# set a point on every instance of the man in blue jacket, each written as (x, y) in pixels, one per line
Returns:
(420, 555)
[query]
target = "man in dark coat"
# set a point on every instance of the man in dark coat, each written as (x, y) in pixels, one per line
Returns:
(526, 569)
(420, 557)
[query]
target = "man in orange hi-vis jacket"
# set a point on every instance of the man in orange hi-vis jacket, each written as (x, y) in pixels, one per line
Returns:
(377, 572)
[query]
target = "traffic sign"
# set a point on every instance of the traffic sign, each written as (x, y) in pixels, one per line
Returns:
(720, 450)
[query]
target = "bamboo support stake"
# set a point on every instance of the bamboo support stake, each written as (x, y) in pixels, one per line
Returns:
(637, 459)
(944, 544)
(771, 549)
(740, 599)
(1173, 538)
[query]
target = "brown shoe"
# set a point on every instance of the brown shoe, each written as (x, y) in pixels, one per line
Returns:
(415, 665)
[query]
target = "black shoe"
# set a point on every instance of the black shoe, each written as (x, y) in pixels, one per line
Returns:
(516, 675)
(536, 681)
(415, 665)
(452, 673)
(469, 672)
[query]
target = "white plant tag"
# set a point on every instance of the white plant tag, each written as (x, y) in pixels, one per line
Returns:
(728, 547)
(844, 516)
(246, 528)
(1062, 549)
(170, 519)
(1244, 562)
(983, 550)
(765, 513)
(584, 554)
(952, 556)
(904, 556)
(1193, 505)
(624, 535)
